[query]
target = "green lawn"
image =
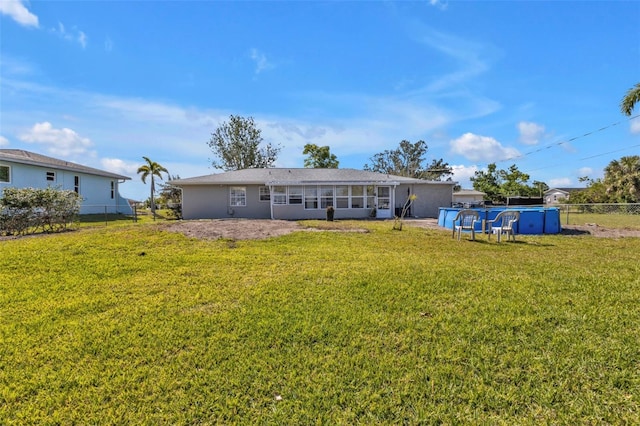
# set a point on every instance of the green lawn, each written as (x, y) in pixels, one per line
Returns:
(131, 325)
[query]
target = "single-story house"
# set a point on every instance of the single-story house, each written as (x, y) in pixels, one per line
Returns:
(468, 198)
(305, 193)
(99, 190)
(555, 195)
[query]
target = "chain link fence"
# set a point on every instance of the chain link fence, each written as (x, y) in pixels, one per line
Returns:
(613, 215)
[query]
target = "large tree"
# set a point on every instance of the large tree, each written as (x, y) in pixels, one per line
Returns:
(236, 145)
(630, 100)
(622, 179)
(151, 169)
(319, 157)
(498, 185)
(408, 160)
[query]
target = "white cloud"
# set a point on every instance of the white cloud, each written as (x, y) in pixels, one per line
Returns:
(62, 142)
(4, 141)
(462, 173)
(530, 133)
(585, 171)
(73, 35)
(18, 12)
(635, 126)
(481, 148)
(560, 183)
(440, 4)
(115, 165)
(260, 60)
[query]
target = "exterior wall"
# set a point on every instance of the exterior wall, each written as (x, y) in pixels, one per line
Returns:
(554, 197)
(95, 191)
(470, 198)
(430, 198)
(213, 202)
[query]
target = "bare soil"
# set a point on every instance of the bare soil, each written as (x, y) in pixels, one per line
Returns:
(251, 229)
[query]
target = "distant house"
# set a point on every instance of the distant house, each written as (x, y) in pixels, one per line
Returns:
(97, 188)
(555, 195)
(468, 197)
(296, 193)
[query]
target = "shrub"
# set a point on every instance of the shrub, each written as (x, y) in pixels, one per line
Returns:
(29, 210)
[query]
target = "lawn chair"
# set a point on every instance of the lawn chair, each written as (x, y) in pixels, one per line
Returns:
(465, 221)
(504, 223)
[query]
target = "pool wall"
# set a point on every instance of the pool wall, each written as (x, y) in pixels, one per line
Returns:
(533, 220)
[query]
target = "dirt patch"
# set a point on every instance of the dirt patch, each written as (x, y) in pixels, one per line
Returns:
(234, 229)
(599, 231)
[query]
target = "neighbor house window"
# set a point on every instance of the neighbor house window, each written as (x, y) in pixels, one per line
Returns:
(5, 174)
(76, 184)
(51, 176)
(279, 195)
(113, 190)
(295, 195)
(342, 196)
(265, 195)
(238, 196)
(310, 197)
(326, 196)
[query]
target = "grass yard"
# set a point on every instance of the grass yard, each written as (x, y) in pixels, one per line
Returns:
(131, 325)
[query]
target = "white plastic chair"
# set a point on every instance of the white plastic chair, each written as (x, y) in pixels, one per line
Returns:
(465, 220)
(504, 223)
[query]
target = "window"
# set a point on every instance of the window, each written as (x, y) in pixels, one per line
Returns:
(238, 196)
(357, 197)
(51, 176)
(76, 184)
(310, 197)
(113, 190)
(295, 195)
(342, 196)
(326, 196)
(265, 195)
(371, 197)
(279, 195)
(5, 174)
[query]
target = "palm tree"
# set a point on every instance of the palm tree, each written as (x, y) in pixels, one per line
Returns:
(630, 99)
(151, 169)
(622, 179)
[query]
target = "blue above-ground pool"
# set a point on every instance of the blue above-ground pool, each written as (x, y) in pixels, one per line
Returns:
(533, 220)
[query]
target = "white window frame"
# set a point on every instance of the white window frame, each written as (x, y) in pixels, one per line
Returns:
(295, 193)
(311, 196)
(50, 176)
(237, 196)
(8, 173)
(264, 194)
(341, 198)
(279, 194)
(76, 184)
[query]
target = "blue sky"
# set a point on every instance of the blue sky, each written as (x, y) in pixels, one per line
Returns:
(103, 83)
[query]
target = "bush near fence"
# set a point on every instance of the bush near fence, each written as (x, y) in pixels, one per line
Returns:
(29, 210)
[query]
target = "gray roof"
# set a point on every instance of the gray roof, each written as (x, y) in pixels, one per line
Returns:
(301, 176)
(469, 192)
(33, 159)
(566, 190)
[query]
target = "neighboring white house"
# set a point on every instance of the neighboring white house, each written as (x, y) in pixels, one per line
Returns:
(98, 189)
(305, 193)
(468, 197)
(556, 195)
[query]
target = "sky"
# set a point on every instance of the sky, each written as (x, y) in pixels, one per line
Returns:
(533, 84)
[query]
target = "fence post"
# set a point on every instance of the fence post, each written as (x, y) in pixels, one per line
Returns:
(106, 220)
